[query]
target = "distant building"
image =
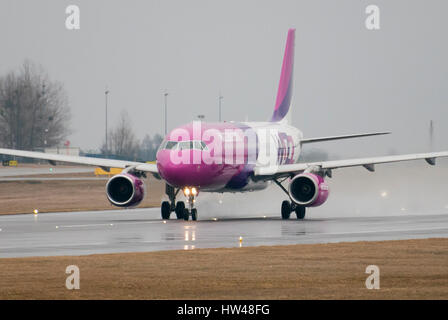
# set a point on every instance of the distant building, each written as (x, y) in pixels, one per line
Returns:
(68, 151)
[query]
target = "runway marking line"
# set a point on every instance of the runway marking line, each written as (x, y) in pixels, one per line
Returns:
(107, 224)
(57, 245)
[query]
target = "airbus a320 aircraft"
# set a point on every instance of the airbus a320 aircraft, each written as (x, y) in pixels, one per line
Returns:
(232, 157)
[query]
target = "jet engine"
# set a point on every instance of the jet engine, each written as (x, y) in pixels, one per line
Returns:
(125, 190)
(308, 190)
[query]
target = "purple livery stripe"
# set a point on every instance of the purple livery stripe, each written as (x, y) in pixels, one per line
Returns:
(284, 92)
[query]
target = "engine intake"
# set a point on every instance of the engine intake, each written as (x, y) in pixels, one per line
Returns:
(125, 190)
(308, 189)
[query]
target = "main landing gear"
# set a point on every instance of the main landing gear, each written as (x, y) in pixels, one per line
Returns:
(170, 206)
(290, 206)
(179, 208)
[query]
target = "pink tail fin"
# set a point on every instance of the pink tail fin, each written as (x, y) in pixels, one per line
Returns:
(284, 93)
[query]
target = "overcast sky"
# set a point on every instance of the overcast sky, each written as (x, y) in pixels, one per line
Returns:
(347, 79)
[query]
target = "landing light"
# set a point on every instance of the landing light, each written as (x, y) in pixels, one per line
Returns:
(193, 191)
(36, 211)
(384, 194)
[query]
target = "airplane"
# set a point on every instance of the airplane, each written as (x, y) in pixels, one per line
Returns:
(233, 157)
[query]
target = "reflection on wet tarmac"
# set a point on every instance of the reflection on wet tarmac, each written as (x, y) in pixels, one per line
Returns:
(130, 231)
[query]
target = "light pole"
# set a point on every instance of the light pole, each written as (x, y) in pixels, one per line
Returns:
(219, 100)
(106, 93)
(45, 138)
(166, 112)
(431, 135)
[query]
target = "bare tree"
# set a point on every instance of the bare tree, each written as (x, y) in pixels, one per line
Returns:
(122, 140)
(33, 110)
(149, 146)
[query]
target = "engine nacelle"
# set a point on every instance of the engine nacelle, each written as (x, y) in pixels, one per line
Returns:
(125, 190)
(308, 189)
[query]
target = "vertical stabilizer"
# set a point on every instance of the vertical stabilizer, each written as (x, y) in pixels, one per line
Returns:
(284, 93)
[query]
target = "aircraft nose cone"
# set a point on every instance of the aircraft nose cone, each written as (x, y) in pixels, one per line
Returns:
(181, 174)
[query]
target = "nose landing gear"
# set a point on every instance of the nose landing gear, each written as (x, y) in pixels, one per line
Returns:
(179, 207)
(191, 194)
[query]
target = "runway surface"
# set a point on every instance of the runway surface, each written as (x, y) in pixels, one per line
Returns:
(25, 171)
(53, 179)
(80, 233)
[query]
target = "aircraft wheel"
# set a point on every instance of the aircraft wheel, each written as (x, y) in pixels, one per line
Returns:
(286, 210)
(194, 214)
(186, 214)
(166, 210)
(300, 212)
(180, 207)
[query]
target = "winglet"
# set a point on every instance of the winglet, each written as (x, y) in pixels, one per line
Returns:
(284, 93)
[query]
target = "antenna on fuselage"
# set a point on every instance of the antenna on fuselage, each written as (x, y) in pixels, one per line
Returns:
(166, 111)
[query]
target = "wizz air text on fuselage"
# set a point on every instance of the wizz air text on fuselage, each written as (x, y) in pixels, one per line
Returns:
(233, 143)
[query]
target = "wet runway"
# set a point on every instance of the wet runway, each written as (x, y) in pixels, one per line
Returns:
(79, 233)
(26, 171)
(53, 179)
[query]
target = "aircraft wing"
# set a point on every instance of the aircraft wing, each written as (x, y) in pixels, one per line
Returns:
(348, 136)
(368, 163)
(103, 163)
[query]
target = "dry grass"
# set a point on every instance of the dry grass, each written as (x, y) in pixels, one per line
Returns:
(410, 269)
(69, 195)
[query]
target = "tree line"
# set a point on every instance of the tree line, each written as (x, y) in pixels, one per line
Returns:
(123, 144)
(35, 114)
(34, 110)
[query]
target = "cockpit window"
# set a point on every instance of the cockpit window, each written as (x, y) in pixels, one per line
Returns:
(197, 145)
(183, 145)
(170, 145)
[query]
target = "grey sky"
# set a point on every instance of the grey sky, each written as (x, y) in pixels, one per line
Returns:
(347, 79)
